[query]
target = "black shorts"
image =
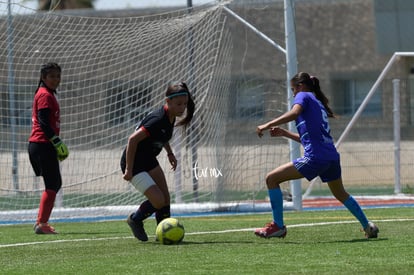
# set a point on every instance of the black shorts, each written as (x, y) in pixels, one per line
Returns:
(45, 163)
(142, 163)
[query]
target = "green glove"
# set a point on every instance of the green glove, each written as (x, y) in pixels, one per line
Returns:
(61, 148)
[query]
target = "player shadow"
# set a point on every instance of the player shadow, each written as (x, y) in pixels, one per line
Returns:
(212, 242)
(301, 242)
(272, 241)
(357, 240)
(67, 233)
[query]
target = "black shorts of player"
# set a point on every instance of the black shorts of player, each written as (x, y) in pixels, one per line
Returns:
(142, 163)
(45, 163)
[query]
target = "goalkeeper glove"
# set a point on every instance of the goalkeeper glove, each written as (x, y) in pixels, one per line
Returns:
(61, 148)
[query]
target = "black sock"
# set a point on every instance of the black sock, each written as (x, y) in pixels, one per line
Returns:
(144, 211)
(162, 213)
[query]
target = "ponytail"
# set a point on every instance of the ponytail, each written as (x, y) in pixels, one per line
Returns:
(182, 89)
(320, 95)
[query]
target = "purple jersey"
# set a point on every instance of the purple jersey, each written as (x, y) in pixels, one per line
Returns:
(313, 128)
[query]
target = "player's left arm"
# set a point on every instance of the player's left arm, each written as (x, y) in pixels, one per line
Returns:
(131, 149)
(290, 115)
(43, 118)
(280, 132)
(171, 157)
(61, 148)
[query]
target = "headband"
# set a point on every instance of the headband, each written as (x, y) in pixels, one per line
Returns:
(177, 94)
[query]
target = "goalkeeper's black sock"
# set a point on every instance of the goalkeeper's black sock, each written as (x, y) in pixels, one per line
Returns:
(144, 211)
(162, 213)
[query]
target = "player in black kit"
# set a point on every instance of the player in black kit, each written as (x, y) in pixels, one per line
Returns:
(139, 159)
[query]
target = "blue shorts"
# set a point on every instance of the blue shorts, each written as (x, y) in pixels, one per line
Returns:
(327, 170)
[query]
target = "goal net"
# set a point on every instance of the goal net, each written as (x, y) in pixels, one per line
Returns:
(115, 69)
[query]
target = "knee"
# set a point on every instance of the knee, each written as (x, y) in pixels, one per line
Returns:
(54, 185)
(159, 203)
(160, 199)
(156, 197)
(271, 181)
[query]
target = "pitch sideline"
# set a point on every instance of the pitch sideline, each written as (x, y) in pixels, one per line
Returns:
(195, 233)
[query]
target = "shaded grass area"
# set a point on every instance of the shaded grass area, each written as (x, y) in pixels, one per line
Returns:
(218, 245)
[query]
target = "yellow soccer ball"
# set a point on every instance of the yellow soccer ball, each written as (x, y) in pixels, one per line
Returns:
(170, 231)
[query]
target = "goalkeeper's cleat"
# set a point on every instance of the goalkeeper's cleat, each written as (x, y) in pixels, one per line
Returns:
(137, 228)
(44, 228)
(371, 231)
(271, 230)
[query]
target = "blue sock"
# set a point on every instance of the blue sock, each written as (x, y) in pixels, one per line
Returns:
(356, 210)
(276, 201)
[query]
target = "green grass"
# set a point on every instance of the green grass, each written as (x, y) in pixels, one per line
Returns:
(108, 248)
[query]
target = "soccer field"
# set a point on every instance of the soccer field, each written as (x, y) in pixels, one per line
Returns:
(318, 242)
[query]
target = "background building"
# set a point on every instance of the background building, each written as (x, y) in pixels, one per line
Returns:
(346, 44)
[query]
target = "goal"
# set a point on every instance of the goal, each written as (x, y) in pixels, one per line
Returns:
(115, 69)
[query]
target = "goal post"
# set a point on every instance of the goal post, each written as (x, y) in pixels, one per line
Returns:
(291, 69)
(115, 69)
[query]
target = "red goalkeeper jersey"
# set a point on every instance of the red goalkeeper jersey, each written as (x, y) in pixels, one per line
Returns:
(44, 99)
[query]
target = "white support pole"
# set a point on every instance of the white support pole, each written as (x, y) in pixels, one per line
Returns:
(397, 136)
(291, 65)
(370, 94)
(292, 68)
(12, 99)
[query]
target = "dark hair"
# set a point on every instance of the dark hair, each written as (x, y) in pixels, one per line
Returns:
(312, 82)
(45, 69)
(177, 89)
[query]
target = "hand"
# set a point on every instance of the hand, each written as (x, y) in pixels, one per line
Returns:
(127, 175)
(61, 148)
(173, 161)
(260, 129)
(277, 132)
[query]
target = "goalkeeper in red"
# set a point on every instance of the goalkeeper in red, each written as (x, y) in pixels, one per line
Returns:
(46, 149)
(310, 111)
(139, 159)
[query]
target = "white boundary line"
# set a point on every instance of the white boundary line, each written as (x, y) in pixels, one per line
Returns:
(293, 226)
(196, 233)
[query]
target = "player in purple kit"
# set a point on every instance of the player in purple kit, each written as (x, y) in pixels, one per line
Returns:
(310, 111)
(139, 159)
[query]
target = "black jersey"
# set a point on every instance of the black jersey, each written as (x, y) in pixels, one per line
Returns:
(159, 130)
